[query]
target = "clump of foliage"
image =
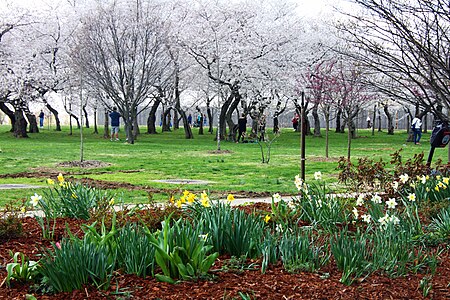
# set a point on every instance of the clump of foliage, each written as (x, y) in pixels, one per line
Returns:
(11, 219)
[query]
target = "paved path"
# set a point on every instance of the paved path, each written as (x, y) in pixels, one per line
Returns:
(10, 186)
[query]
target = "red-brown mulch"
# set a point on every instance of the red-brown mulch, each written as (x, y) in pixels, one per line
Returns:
(224, 283)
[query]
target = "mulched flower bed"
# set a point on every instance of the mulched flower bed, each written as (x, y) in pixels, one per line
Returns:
(225, 282)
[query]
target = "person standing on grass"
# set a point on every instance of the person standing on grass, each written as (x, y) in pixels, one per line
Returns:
(242, 123)
(115, 123)
(41, 119)
(416, 126)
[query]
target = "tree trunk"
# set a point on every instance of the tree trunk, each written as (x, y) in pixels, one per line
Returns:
(20, 128)
(338, 121)
(379, 121)
(187, 128)
(315, 115)
(32, 122)
(210, 119)
(349, 139)
(55, 114)
(86, 119)
(327, 131)
(176, 122)
(276, 124)
(166, 120)
(222, 118)
(10, 115)
(374, 118)
(231, 125)
(95, 121)
(389, 119)
(151, 120)
(106, 127)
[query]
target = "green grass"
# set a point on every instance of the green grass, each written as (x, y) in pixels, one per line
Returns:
(170, 156)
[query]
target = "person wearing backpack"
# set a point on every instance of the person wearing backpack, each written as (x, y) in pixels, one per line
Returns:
(416, 126)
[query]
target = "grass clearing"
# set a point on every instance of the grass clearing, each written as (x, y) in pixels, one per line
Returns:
(170, 156)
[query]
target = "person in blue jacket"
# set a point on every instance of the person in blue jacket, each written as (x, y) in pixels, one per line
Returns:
(115, 124)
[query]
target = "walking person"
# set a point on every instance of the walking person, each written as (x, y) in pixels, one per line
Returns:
(115, 124)
(242, 127)
(416, 126)
(41, 119)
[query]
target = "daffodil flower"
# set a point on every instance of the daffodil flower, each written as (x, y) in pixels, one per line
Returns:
(276, 197)
(172, 199)
(298, 182)
(366, 218)
(404, 178)
(205, 202)
(391, 203)
(230, 197)
(203, 236)
(60, 177)
(318, 175)
(111, 202)
(267, 218)
(191, 197)
(35, 199)
(436, 188)
(360, 200)
(412, 197)
(179, 203)
(23, 209)
(446, 180)
(376, 199)
(355, 212)
(50, 181)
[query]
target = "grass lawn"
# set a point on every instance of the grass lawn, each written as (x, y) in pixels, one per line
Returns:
(170, 156)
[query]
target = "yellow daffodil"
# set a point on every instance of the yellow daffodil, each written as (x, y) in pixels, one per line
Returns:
(440, 184)
(35, 199)
(203, 195)
(60, 177)
(179, 203)
(205, 202)
(191, 197)
(111, 202)
(436, 188)
(185, 193)
(183, 199)
(50, 181)
(230, 197)
(438, 177)
(445, 180)
(267, 218)
(23, 209)
(172, 199)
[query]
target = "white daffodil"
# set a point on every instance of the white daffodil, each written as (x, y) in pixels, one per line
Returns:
(366, 218)
(391, 203)
(412, 197)
(394, 220)
(298, 182)
(276, 197)
(376, 199)
(404, 178)
(395, 185)
(355, 212)
(35, 199)
(360, 200)
(317, 175)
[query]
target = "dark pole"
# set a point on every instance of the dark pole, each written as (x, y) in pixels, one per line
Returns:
(303, 134)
